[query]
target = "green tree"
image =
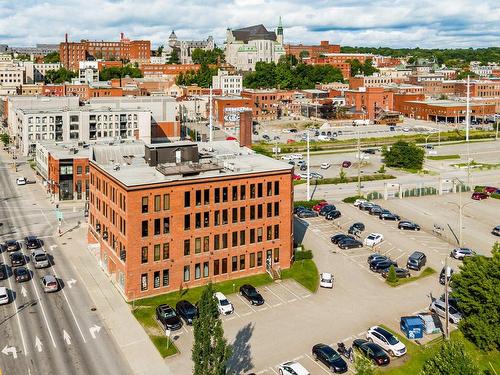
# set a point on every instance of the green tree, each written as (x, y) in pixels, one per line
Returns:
(51, 58)
(464, 73)
(356, 67)
(391, 276)
(381, 170)
(342, 175)
(119, 72)
(59, 76)
(159, 51)
(174, 57)
(404, 155)
(477, 289)
(451, 359)
(210, 349)
(303, 54)
(4, 137)
(363, 366)
(368, 68)
(212, 57)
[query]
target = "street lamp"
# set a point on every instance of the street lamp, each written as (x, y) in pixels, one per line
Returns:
(460, 211)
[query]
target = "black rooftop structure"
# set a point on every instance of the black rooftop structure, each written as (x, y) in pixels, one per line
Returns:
(253, 32)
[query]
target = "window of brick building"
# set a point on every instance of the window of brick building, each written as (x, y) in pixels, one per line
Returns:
(205, 269)
(187, 222)
(224, 194)
(157, 203)
(234, 215)
(269, 189)
(243, 192)
(252, 260)
(252, 191)
(259, 259)
(259, 190)
(235, 193)
(197, 245)
(217, 195)
(197, 220)
(197, 271)
(276, 188)
(156, 253)
(269, 232)
(252, 212)
(144, 230)
(276, 208)
(206, 196)
(252, 235)
(224, 266)
(79, 170)
(166, 277)
(144, 282)
(269, 210)
(259, 211)
(187, 247)
(224, 240)
(234, 241)
(216, 267)
(144, 254)
(206, 243)
(197, 200)
(242, 237)
(187, 199)
(145, 205)
(242, 262)
(206, 219)
(166, 225)
(166, 250)
(216, 242)
(157, 227)
(276, 255)
(186, 273)
(259, 234)
(216, 218)
(276, 231)
(224, 216)
(234, 264)
(166, 201)
(156, 279)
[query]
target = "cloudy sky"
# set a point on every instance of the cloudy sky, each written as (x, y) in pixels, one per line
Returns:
(393, 23)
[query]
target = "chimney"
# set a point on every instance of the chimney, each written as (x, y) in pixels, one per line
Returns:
(66, 37)
(121, 36)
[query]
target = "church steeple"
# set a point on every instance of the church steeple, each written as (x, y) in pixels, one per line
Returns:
(279, 32)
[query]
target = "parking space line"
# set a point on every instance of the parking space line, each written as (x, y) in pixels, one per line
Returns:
(247, 313)
(185, 329)
(399, 256)
(273, 370)
(292, 293)
(281, 299)
(298, 358)
(317, 364)
(251, 308)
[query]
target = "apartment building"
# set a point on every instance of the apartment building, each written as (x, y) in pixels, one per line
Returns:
(369, 81)
(172, 216)
(369, 102)
(228, 84)
(265, 103)
(300, 50)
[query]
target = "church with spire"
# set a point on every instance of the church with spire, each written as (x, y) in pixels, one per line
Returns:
(247, 46)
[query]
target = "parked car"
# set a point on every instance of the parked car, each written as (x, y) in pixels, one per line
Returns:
(49, 284)
(251, 294)
(305, 214)
(32, 242)
(408, 225)
(297, 209)
(329, 357)
(296, 177)
(439, 307)
(187, 311)
(325, 165)
(375, 210)
(17, 259)
(446, 273)
(490, 189)
(496, 231)
(356, 228)
(461, 252)
(339, 237)
(21, 274)
(357, 202)
(365, 206)
(380, 266)
(389, 216)
(4, 295)
(11, 245)
(292, 368)
(316, 175)
(3, 271)
(479, 196)
(372, 351)
(334, 214)
(223, 305)
(326, 280)
(40, 258)
(401, 273)
(346, 164)
(349, 243)
(327, 208)
(21, 181)
(320, 205)
(386, 341)
(416, 261)
(373, 239)
(376, 256)
(167, 316)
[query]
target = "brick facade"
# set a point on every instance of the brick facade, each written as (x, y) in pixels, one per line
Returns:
(313, 51)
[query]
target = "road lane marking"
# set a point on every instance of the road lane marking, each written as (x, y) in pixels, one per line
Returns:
(317, 364)
(9, 350)
(71, 282)
(289, 290)
(273, 370)
(38, 344)
(246, 303)
(66, 337)
(93, 330)
(281, 299)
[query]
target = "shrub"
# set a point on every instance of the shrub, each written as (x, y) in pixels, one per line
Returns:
(381, 170)
(352, 199)
(495, 195)
(302, 255)
(307, 204)
(391, 276)
(479, 189)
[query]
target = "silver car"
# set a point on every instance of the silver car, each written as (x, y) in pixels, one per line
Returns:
(40, 258)
(439, 307)
(49, 284)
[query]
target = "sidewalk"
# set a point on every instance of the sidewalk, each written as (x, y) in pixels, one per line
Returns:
(137, 348)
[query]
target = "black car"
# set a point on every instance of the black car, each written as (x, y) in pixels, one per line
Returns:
(408, 225)
(329, 357)
(32, 242)
(11, 245)
(187, 311)
(376, 256)
(21, 274)
(17, 259)
(349, 243)
(370, 151)
(389, 216)
(401, 273)
(297, 209)
(338, 237)
(168, 317)
(372, 351)
(416, 260)
(3, 272)
(356, 228)
(375, 210)
(448, 274)
(366, 206)
(326, 209)
(335, 214)
(303, 167)
(251, 294)
(304, 214)
(382, 265)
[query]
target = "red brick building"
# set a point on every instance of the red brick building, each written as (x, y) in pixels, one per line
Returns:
(312, 51)
(178, 215)
(265, 103)
(370, 101)
(344, 66)
(149, 70)
(71, 53)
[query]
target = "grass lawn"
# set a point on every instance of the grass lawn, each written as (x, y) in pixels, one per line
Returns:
(304, 272)
(144, 309)
(416, 355)
(426, 272)
(443, 157)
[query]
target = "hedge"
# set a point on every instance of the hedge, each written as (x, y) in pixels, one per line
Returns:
(352, 199)
(307, 204)
(303, 254)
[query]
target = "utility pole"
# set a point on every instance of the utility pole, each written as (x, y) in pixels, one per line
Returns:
(467, 126)
(210, 124)
(308, 171)
(359, 165)
(497, 123)
(446, 303)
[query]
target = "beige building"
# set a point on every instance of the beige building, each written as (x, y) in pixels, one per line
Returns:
(229, 84)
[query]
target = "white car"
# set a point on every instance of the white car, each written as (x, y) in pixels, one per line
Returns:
(326, 280)
(439, 307)
(223, 305)
(323, 138)
(21, 181)
(386, 340)
(292, 368)
(325, 165)
(286, 131)
(286, 157)
(461, 252)
(300, 162)
(373, 239)
(296, 156)
(4, 295)
(406, 130)
(357, 202)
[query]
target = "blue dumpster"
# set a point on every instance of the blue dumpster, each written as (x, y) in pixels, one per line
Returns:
(412, 326)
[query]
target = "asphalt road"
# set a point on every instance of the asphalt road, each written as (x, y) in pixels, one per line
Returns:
(54, 333)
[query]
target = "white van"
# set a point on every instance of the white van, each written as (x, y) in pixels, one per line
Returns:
(21, 181)
(323, 137)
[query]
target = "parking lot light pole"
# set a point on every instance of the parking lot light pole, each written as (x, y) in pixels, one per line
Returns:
(359, 165)
(308, 170)
(446, 302)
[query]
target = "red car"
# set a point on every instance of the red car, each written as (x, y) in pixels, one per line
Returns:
(296, 177)
(479, 196)
(490, 189)
(320, 205)
(346, 164)
(290, 141)
(231, 139)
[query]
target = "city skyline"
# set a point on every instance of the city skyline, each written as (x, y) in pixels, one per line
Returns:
(401, 24)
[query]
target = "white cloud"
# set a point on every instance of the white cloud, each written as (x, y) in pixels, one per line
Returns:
(396, 23)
